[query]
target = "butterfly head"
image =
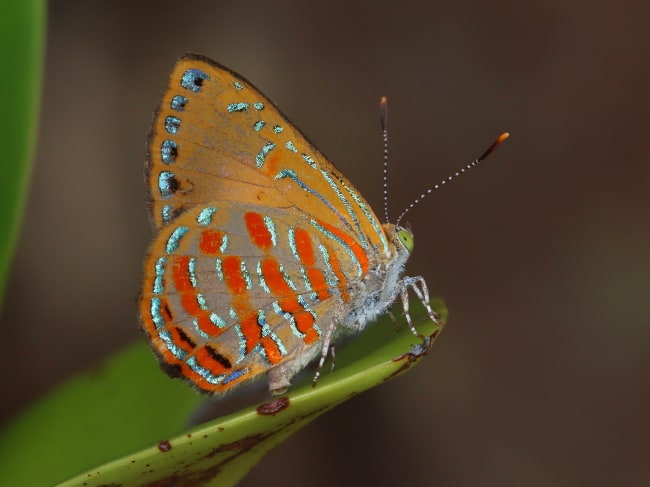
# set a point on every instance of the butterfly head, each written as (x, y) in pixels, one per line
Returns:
(406, 238)
(401, 240)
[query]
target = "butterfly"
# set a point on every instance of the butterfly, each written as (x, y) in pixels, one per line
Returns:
(264, 252)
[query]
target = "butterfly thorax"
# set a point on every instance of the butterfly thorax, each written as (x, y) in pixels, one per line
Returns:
(381, 285)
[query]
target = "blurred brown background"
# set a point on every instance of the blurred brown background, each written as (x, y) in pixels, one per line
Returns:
(542, 254)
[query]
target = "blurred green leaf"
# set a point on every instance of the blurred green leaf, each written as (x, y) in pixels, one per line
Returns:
(22, 33)
(121, 405)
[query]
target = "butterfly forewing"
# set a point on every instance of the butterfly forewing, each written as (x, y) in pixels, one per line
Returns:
(260, 239)
(216, 137)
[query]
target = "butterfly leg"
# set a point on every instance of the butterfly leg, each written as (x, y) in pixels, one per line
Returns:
(333, 357)
(405, 304)
(419, 287)
(325, 350)
(423, 295)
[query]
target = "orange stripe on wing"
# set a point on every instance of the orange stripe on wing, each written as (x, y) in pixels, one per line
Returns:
(336, 267)
(304, 247)
(274, 278)
(252, 331)
(358, 252)
(257, 230)
(210, 243)
(318, 283)
(233, 277)
(208, 358)
(246, 314)
(183, 284)
(289, 303)
(304, 320)
(180, 270)
(272, 351)
(248, 321)
(181, 339)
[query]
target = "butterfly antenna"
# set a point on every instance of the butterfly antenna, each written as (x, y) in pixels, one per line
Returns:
(469, 166)
(383, 104)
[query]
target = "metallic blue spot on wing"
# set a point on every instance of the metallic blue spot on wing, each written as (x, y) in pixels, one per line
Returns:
(191, 269)
(217, 320)
(237, 107)
(270, 226)
(203, 372)
(156, 314)
(242, 343)
(174, 239)
(193, 79)
(291, 236)
(312, 294)
(260, 276)
(245, 274)
(168, 151)
(348, 207)
(309, 160)
(175, 350)
(264, 151)
(218, 266)
(198, 330)
(235, 375)
(158, 283)
(167, 184)
(203, 304)
(224, 244)
(205, 217)
(267, 331)
(289, 317)
(369, 216)
(178, 103)
(330, 277)
(287, 279)
(166, 213)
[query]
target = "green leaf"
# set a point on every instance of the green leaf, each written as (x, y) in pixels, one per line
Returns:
(22, 31)
(121, 405)
(128, 404)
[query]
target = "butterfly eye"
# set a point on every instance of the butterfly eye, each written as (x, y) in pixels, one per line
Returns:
(406, 238)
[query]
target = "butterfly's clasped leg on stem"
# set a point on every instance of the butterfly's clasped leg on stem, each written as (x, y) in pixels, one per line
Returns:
(419, 286)
(326, 349)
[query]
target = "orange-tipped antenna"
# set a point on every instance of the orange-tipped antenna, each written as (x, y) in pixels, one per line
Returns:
(469, 166)
(383, 107)
(494, 145)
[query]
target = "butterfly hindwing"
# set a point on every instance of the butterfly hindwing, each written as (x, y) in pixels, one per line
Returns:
(249, 288)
